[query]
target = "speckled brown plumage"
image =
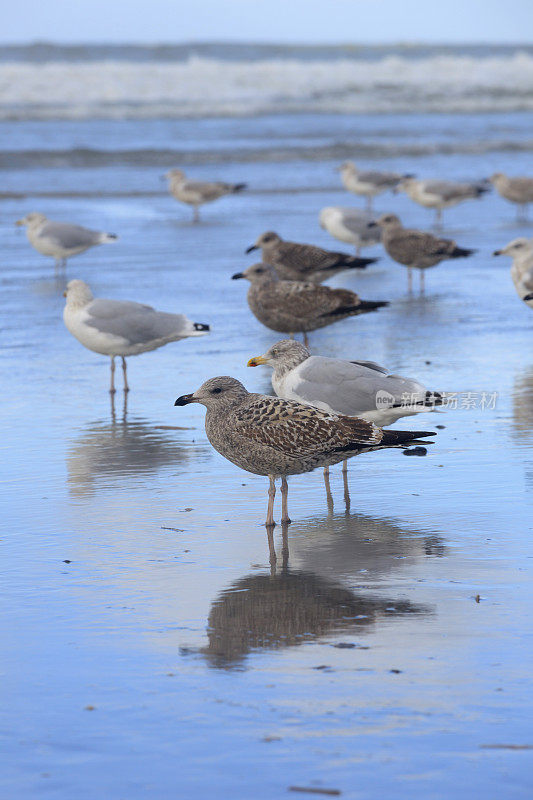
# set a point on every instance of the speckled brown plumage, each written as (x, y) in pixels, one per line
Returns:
(304, 262)
(275, 437)
(294, 307)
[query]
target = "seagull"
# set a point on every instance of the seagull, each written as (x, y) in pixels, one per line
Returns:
(521, 251)
(516, 190)
(304, 262)
(361, 389)
(349, 225)
(416, 249)
(121, 328)
(297, 307)
(196, 193)
(368, 183)
(61, 240)
(275, 437)
(440, 194)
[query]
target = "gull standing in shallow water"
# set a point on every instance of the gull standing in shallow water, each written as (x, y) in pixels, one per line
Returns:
(416, 249)
(121, 328)
(353, 388)
(516, 190)
(196, 193)
(276, 438)
(304, 262)
(440, 194)
(61, 240)
(349, 225)
(296, 307)
(368, 183)
(521, 251)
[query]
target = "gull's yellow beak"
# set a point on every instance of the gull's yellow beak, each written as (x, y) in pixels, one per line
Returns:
(20, 222)
(254, 362)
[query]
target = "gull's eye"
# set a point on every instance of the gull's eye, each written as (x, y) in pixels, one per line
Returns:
(259, 269)
(216, 391)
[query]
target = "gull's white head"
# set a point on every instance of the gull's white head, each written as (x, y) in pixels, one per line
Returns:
(175, 175)
(32, 219)
(78, 293)
(216, 394)
(517, 248)
(348, 168)
(284, 355)
(327, 214)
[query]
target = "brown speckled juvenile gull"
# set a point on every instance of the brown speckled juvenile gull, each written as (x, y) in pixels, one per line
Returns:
(416, 249)
(516, 190)
(275, 437)
(296, 307)
(196, 193)
(304, 262)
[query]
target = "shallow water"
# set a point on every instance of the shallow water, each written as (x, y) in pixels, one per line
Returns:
(151, 650)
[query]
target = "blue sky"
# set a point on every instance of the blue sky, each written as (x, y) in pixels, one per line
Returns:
(327, 21)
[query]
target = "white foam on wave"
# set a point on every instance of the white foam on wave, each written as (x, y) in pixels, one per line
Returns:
(209, 87)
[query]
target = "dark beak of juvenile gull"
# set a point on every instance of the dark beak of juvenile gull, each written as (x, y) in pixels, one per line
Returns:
(372, 224)
(184, 400)
(252, 247)
(497, 253)
(236, 276)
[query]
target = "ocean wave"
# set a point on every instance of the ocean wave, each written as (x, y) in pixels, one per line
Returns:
(200, 87)
(163, 157)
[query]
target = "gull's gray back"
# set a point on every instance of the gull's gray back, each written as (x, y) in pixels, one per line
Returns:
(137, 323)
(350, 387)
(69, 236)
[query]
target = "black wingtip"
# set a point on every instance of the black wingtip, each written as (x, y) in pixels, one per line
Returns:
(199, 326)
(462, 252)
(238, 187)
(528, 297)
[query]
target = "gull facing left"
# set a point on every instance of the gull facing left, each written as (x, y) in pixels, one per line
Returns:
(61, 240)
(276, 438)
(120, 327)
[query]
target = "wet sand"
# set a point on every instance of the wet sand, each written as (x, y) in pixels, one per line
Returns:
(151, 651)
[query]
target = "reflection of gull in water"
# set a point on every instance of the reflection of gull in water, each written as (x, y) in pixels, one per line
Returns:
(275, 611)
(351, 545)
(110, 450)
(523, 405)
(272, 611)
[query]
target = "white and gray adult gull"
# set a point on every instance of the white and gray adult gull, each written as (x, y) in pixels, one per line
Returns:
(61, 240)
(275, 437)
(196, 193)
(354, 388)
(121, 328)
(368, 183)
(439, 194)
(349, 225)
(516, 190)
(521, 251)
